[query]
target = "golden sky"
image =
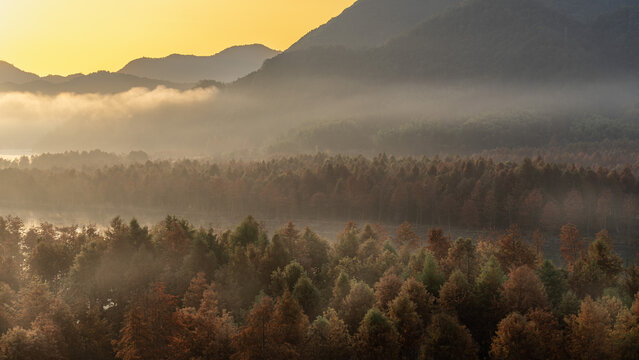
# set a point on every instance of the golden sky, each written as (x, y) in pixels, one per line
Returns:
(70, 36)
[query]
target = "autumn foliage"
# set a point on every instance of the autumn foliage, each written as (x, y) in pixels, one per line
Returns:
(175, 291)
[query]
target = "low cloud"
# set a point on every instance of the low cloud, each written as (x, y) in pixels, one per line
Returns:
(27, 117)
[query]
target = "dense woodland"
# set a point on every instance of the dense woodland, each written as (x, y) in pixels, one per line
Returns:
(178, 292)
(588, 134)
(473, 193)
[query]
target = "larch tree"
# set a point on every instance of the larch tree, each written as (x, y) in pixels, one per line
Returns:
(193, 296)
(589, 332)
(403, 313)
(438, 243)
(386, 289)
(356, 304)
(406, 236)
(455, 297)
(423, 300)
(150, 325)
(512, 251)
(523, 291)
(572, 244)
(462, 256)
(289, 324)
(255, 339)
(516, 338)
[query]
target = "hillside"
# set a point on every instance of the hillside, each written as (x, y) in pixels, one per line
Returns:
(508, 40)
(11, 74)
(588, 10)
(226, 66)
(99, 82)
(370, 23)
(494, 38)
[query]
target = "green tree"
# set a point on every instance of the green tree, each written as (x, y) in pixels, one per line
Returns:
(431, 277)
(377, 338)
(328, 338)
(447, 339)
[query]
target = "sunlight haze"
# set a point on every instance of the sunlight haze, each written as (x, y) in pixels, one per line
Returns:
(70, 36)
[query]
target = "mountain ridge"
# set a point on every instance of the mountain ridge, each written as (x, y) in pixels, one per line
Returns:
(225, 66)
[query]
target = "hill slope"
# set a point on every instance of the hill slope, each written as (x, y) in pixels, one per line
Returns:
(226, 66)
(100, 82)
(11, 74)
(370, 23)
(482, 39)
(588, 10)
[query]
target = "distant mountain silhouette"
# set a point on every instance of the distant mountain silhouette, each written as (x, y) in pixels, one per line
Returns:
(11, 74)
(226, 66)
(370, 23)
(482, 39)
(99, 82)
(57, 79)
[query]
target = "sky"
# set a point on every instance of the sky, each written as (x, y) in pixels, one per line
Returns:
(71, 36)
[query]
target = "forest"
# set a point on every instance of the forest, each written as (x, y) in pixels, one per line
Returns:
(174, 291)
(474, 193)
(342, 179)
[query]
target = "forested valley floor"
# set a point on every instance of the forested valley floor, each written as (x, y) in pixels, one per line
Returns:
(174, 291)
(546, 268)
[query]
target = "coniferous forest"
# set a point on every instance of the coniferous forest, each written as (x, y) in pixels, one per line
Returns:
(319, 180)
(547, 268)
(174, 291)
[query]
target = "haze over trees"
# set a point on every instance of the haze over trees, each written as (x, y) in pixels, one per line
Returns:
(470, 193)
(480, 157)
(180, 292)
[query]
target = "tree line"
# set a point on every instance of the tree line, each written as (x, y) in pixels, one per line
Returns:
(174, 291)
(473, 193)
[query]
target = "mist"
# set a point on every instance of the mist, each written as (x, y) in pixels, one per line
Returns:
(257, 121)
(28, 117)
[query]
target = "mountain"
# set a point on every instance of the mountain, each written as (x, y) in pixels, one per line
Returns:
(226, 66)
(588, 10)
(511, 40)
(619, 30)
(100, 82)
(495, 38)
(370, 23)
(11, 74)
